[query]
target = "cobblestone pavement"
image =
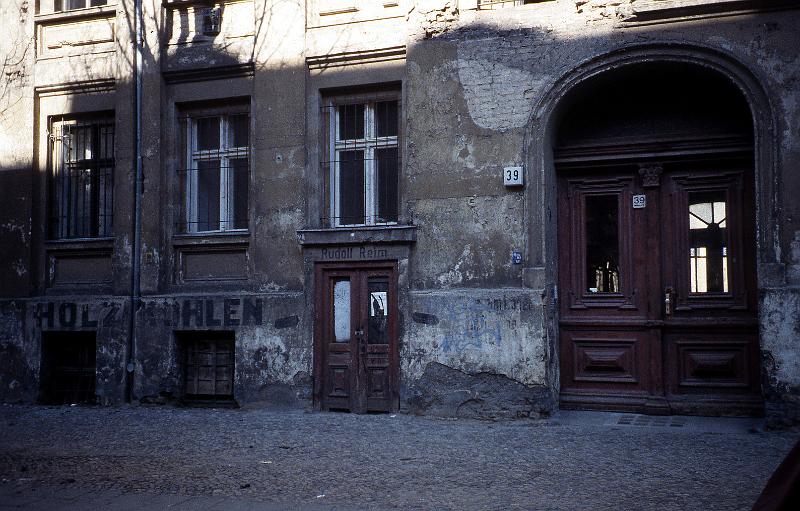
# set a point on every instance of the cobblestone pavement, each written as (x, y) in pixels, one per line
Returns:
(152, 457)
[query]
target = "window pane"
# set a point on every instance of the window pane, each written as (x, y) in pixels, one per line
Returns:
(207, 134)
(351, 122)
(386, 166)
(602, 244)
(386, 118)
(351, 187)
(378, 307)
(341, 310)
(207, 195)
(239, 131)
(81, 180)
(708, 251)
(239, 181)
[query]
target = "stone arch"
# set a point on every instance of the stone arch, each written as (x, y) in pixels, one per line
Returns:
(543, 123)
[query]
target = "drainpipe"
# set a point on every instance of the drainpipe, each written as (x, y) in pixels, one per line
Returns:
(137, 201)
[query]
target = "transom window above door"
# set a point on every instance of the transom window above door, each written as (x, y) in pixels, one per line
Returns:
(361, 160)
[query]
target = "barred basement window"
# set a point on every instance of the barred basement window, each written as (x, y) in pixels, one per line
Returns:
(363, 160)
(214, 182)
(81, 178)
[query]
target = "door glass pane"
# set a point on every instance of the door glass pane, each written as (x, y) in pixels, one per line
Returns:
(602, 244)
(378, 306)
(708, 245)
(341, 310)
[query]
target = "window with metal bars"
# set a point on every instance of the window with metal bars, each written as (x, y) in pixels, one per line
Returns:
(362, 161)
(215, 180)
(81, 177)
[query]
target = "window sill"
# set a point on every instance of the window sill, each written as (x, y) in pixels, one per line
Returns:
(358, 235)
(76, 14)
(240, 237)
(105, 243)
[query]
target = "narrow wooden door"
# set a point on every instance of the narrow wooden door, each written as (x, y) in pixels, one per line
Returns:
(657, 279)
(356, 338)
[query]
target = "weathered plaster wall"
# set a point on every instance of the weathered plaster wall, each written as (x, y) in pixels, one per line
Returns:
(495, 331)
(476, 337)
(272, 362)
(474, 78)
(18, 356)
(17, 50)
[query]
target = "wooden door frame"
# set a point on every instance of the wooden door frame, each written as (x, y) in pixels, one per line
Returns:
(320, 268)
(723, 168)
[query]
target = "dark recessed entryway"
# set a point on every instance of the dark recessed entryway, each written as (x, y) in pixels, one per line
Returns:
(68, 371)
(656, 244)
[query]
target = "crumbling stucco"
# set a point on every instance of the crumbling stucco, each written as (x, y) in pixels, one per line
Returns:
(474, 331)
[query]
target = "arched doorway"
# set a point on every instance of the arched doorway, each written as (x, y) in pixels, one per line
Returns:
(656, 251)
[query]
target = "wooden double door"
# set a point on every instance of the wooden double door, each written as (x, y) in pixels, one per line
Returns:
(657, 285)
(356, 347)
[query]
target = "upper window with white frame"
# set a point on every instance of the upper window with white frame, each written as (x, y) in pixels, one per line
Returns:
(214, 182)
(81, 177)
(362, 160)
(69, 5)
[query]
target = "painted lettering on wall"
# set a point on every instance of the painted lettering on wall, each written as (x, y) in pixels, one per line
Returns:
(347, 253)
(227, 312)
(187, 313)
(65, 315)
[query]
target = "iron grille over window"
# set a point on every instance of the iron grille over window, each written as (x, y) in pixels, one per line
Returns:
(81, 178)
(214, 182)
(363, 161)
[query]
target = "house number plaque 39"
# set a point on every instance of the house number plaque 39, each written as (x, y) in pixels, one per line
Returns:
(512, 176)
(639, 201)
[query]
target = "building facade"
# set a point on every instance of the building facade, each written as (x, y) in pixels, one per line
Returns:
(456, 207)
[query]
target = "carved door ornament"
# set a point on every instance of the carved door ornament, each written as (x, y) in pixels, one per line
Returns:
(651, 174)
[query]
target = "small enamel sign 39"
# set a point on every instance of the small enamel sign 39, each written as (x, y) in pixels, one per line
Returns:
(639, 201)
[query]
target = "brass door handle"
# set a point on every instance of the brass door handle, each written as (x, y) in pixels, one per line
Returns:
(669, 300)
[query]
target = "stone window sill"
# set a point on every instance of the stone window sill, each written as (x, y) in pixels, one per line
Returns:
(358, 235)
(241, 237)
(79, 244)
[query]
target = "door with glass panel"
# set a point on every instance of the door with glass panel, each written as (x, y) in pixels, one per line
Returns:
(356, 338)
(657, 279)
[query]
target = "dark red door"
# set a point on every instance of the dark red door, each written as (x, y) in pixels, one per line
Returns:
(356, 338)
(657, 280)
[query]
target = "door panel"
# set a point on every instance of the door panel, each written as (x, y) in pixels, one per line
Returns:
(605, 341)
(356, 355)
(657, 277)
